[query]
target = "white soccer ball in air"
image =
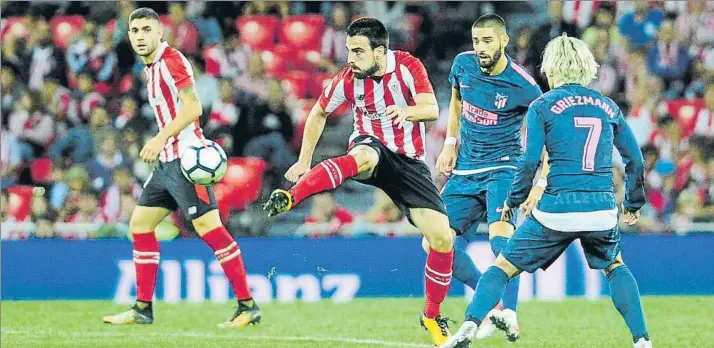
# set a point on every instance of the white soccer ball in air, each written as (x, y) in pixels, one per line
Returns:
(204, 165)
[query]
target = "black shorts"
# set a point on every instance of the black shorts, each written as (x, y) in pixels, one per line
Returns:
(168, 188)
(405, 180)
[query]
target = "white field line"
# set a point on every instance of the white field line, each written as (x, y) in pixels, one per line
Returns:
(95, 334)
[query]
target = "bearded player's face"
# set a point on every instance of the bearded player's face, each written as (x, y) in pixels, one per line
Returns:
(488, 46)
(362, 59)
(145, 35)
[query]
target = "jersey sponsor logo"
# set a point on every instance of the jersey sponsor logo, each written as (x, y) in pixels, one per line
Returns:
(501, 100)
(477, 115)
(370, 116)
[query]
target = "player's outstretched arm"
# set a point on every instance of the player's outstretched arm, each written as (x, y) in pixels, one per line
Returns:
(191, 110)
(626, 144)
(314, 126)
(446, 161)
(527, 168)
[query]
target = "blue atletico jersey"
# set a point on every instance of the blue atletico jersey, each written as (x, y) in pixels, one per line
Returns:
(492, 111)
(578, 127)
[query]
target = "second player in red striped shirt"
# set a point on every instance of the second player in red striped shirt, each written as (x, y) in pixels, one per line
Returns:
(391, 98)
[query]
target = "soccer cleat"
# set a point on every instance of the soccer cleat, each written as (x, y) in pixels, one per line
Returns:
(243, 316)
(505, 321)
(437, 327)
(132, 316)
(643, 342)
(280, 201)
(462, 338)
(486, 329)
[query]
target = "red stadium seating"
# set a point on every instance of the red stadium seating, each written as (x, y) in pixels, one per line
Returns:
(241, 185)
(65, 28)
(14, 25)
(302, 32)
(19, 198)
(296, 82)
(277, 60)
(308, 60)
(258, 31)
(319, 82)
(41, 170)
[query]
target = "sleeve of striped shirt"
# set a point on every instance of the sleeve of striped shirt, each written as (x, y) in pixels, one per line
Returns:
(334, 94)
(180, 70)
(421, 78)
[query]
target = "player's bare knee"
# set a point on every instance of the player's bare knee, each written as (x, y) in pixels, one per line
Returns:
(500, 229)
(425, 244)
(207, 222)
(145, 219)
(506, 266)
(366, 158)
(435, 227)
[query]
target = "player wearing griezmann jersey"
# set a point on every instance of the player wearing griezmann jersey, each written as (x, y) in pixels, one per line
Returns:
(578, 127)
(490, 94)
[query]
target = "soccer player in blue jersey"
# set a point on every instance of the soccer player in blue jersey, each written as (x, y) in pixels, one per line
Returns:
(578, 127)
(490, 94)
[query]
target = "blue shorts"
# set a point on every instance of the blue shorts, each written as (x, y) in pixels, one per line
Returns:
(476, 198)
(535, 246)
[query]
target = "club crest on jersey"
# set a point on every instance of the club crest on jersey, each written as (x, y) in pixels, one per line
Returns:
(501, 100)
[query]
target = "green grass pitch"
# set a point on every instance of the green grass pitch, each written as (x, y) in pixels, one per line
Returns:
(672, 322)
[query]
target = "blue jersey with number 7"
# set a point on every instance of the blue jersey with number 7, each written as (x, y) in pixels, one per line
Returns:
(579, 128)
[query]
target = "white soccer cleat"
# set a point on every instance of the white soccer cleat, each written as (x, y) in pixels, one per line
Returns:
(507, 322)
(486, 329)
(462, 338)
(643, 343)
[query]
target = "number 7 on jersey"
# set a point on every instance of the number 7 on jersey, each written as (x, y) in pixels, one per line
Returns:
(594, 126)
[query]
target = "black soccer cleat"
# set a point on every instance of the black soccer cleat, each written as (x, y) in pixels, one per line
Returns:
(280, 201)
(243, 316)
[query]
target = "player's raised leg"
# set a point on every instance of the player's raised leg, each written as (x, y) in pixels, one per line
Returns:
(626, 298)
(438, 270)
(326, 175)
(146, 262)
(228, 253)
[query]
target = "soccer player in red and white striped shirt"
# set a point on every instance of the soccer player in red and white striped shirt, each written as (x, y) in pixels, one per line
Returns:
(177, 109)
(391, 97)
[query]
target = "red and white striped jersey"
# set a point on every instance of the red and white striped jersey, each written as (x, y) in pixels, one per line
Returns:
(405, 77)
(169, 73)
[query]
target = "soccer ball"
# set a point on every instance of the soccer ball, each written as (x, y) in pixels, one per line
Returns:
(204, 165)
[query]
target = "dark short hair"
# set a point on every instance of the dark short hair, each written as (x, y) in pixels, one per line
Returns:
(143, 12)
(371, 28)
(489, 20)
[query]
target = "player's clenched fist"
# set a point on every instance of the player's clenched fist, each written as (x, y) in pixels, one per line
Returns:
(446, 161)
(397, 114)
(152, 149)
(297, 171)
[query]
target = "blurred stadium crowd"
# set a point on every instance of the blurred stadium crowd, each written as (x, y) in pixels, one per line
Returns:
(75, 111)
